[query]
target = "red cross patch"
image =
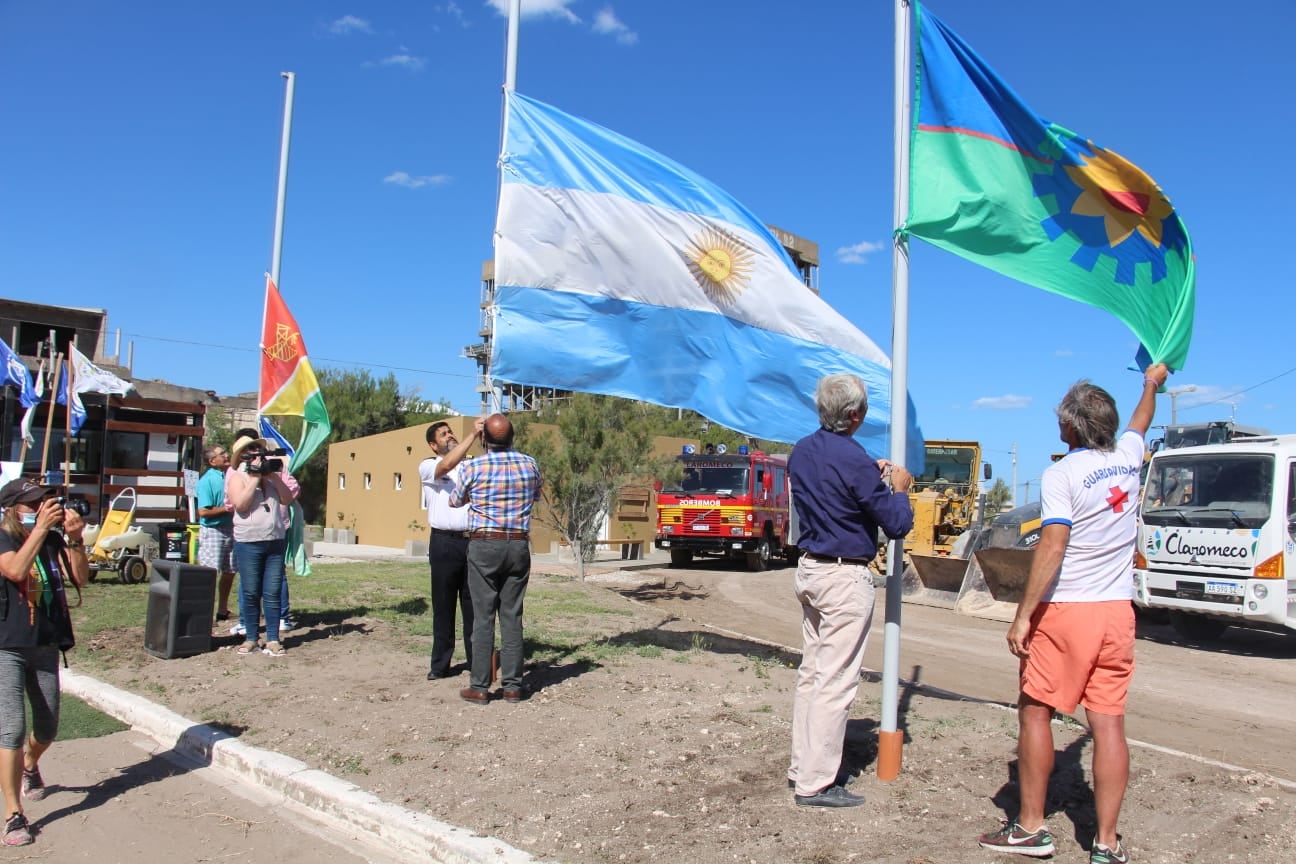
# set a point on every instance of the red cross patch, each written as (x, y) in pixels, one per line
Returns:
(1118, 499)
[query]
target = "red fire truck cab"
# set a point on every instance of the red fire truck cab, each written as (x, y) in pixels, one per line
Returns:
(731, 506)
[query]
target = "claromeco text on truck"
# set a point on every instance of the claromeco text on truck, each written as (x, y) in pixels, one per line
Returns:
(1217, 536)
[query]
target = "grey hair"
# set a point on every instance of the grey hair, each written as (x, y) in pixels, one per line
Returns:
(836, 396)
(1090, 411)
(210, 450)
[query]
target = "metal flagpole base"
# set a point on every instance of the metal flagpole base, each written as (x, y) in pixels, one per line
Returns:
(890, 747)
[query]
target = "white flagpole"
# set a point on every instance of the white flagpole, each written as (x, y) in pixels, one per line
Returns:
(281, 204)
(510, 84)
(890, 738)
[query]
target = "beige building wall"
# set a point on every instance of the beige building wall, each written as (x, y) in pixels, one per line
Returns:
(374, 490)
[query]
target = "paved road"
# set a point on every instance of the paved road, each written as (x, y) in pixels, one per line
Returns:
(1234, 702)
(121, 799)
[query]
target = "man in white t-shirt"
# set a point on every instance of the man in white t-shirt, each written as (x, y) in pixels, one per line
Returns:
(1074, 627)
(447, 544)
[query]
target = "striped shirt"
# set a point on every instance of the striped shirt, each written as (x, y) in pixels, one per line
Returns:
(499, 488)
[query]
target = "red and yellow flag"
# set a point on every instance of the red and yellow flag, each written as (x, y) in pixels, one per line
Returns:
(288, 383)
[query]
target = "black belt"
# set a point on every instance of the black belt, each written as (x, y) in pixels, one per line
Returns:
(446, 533)
(496, 534)
(833, 559)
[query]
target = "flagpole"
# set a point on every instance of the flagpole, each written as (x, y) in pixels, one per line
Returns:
(510, 84)
(24, 428)
(890, 738)
(49, 418)
(67, 425)
(281, 206)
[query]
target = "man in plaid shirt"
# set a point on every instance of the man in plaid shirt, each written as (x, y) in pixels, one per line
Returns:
(500, 487)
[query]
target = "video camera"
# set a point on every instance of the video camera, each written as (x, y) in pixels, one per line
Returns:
(76, 505)
(261, 460)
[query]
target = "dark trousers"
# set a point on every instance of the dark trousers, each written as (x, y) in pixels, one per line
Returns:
(498, 572)
(448, 560)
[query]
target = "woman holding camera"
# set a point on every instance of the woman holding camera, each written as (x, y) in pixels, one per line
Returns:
(255, 487)
(36, 561)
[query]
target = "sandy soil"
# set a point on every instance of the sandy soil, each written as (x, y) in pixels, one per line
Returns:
(672, 745)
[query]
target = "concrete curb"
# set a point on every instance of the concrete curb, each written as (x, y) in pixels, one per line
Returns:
(318, 796)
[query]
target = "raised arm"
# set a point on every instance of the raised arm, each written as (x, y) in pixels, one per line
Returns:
(1153, 380)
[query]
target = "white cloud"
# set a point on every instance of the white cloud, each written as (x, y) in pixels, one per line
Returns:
(404, 61)
(1002, 403)
(607, 23)
(453, 9)
(1063, 352)
(858, 253)
(410, 181)
(1222, 398)
(537, 8)
(349, 24)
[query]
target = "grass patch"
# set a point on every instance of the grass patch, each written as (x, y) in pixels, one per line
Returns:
(79, 720)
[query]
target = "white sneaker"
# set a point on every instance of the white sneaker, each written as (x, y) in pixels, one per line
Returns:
(238, 630)
(286, 624)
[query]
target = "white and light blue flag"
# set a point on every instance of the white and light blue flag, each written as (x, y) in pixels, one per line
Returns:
(619, 271)
(270, 433)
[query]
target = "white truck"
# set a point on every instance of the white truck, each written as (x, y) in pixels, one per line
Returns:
(1217, 536)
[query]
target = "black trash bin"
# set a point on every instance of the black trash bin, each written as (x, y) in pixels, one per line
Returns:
(181, 600)
(173, 537)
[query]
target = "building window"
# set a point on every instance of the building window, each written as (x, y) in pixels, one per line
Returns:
(397, 478)
(341, 480)
(368, 478)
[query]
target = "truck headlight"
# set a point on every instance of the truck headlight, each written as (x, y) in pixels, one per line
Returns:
(1260, 591)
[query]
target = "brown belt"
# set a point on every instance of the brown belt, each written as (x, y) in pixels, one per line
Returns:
(833, 559)
(493, 534)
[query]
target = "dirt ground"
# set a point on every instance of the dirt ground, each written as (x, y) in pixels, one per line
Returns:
(672, 745)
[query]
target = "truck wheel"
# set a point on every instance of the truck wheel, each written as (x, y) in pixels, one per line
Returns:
(681, 557)
(791, 554)
(1197, 628)
(760, 559)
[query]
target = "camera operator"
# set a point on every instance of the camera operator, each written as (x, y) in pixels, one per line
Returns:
(36, 561)
(257, 485)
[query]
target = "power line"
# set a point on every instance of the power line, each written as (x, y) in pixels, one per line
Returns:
(316, 357)
(1229, 396)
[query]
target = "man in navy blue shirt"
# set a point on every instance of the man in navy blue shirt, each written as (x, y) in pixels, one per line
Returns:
(841, 501)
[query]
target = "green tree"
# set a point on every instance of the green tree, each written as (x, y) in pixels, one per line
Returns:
(358, 404)
(218, 429)
(690, 424)
(602, 444)
(996, 498)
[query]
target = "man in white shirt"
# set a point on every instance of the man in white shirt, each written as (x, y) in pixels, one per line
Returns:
(447, 544)
(1074, 627)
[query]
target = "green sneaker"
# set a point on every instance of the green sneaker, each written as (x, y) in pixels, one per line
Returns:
(1017, 840)
(1100, 854)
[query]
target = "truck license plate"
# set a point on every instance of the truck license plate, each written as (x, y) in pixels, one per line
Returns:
(698, 526)
(1230, 589)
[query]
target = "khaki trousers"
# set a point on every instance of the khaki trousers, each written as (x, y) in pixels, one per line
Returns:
(836, 612)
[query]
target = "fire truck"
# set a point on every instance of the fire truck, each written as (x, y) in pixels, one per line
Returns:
(733, 506)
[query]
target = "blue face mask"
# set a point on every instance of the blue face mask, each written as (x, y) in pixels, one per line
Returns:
(28, 520)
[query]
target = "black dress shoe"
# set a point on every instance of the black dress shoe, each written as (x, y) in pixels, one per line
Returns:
(513, 694)
(477, 697)
(437, 676)
(833, 796)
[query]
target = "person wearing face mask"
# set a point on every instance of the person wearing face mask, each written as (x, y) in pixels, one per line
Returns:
(37, 560)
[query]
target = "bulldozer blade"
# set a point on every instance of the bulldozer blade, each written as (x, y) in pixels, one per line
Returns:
(933, 580)
(994, 583)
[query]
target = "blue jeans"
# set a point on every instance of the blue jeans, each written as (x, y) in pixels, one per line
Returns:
(261, 577)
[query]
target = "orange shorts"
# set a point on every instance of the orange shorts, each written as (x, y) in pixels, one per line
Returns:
(1081, 653)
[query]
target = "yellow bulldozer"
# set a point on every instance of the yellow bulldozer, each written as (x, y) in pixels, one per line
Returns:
(956, 557)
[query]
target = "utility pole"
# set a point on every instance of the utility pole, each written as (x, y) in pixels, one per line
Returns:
(1014, 488)
(1174, 395)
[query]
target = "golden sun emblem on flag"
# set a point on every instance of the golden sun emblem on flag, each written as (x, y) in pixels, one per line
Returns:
(1120, 193)
(285, 344)
(721, 264)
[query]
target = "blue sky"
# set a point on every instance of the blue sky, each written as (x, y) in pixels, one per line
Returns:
(140, 141)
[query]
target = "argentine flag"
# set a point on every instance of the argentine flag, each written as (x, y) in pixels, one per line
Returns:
(619, 271)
